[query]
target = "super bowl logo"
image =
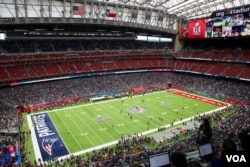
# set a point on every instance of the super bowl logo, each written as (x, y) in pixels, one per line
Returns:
(196, 29)
(47, 145)
(136, 109)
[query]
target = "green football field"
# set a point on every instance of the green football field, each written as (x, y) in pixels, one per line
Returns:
(93, 124)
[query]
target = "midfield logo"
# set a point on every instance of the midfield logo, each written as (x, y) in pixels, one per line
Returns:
(236, 158)
(47, 145)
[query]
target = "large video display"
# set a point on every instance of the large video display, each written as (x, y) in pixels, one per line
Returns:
(228, 23)
(228, 26)
(196, 28)
(183, 29)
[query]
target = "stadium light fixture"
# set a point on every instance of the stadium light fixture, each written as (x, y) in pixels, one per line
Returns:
(58, 29)
(101, 30)
(128, 32)
(156, 35)
(40, 29)
(165, 40)
(20, 30)
(3, 36)
(153, 39)
(141, 38)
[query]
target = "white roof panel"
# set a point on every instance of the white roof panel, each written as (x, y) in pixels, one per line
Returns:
(188, 9)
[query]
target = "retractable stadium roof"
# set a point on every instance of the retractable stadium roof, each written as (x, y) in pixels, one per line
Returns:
(186, 9)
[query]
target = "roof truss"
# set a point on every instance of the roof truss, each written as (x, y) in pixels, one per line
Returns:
(186, 9)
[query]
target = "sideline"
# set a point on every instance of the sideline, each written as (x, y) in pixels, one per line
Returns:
(34, 140)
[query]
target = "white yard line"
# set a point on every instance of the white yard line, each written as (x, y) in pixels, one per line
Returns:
(70, 133)
(86, 125)
(59, 133)
(117, 122)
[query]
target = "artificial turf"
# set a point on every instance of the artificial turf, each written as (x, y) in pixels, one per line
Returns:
(89, 125)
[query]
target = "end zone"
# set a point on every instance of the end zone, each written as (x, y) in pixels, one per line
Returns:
(45, 138)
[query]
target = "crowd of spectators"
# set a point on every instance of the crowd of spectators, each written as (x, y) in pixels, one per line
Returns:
(40, 93)
(215, 87)
(9, 134)
(8, 119)
(8, 153)
(56, 90)
(234, 124)
(89, 86)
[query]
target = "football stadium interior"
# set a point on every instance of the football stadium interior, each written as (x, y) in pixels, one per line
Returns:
(124, 83)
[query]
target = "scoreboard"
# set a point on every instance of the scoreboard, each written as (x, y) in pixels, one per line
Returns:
(233, 22)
